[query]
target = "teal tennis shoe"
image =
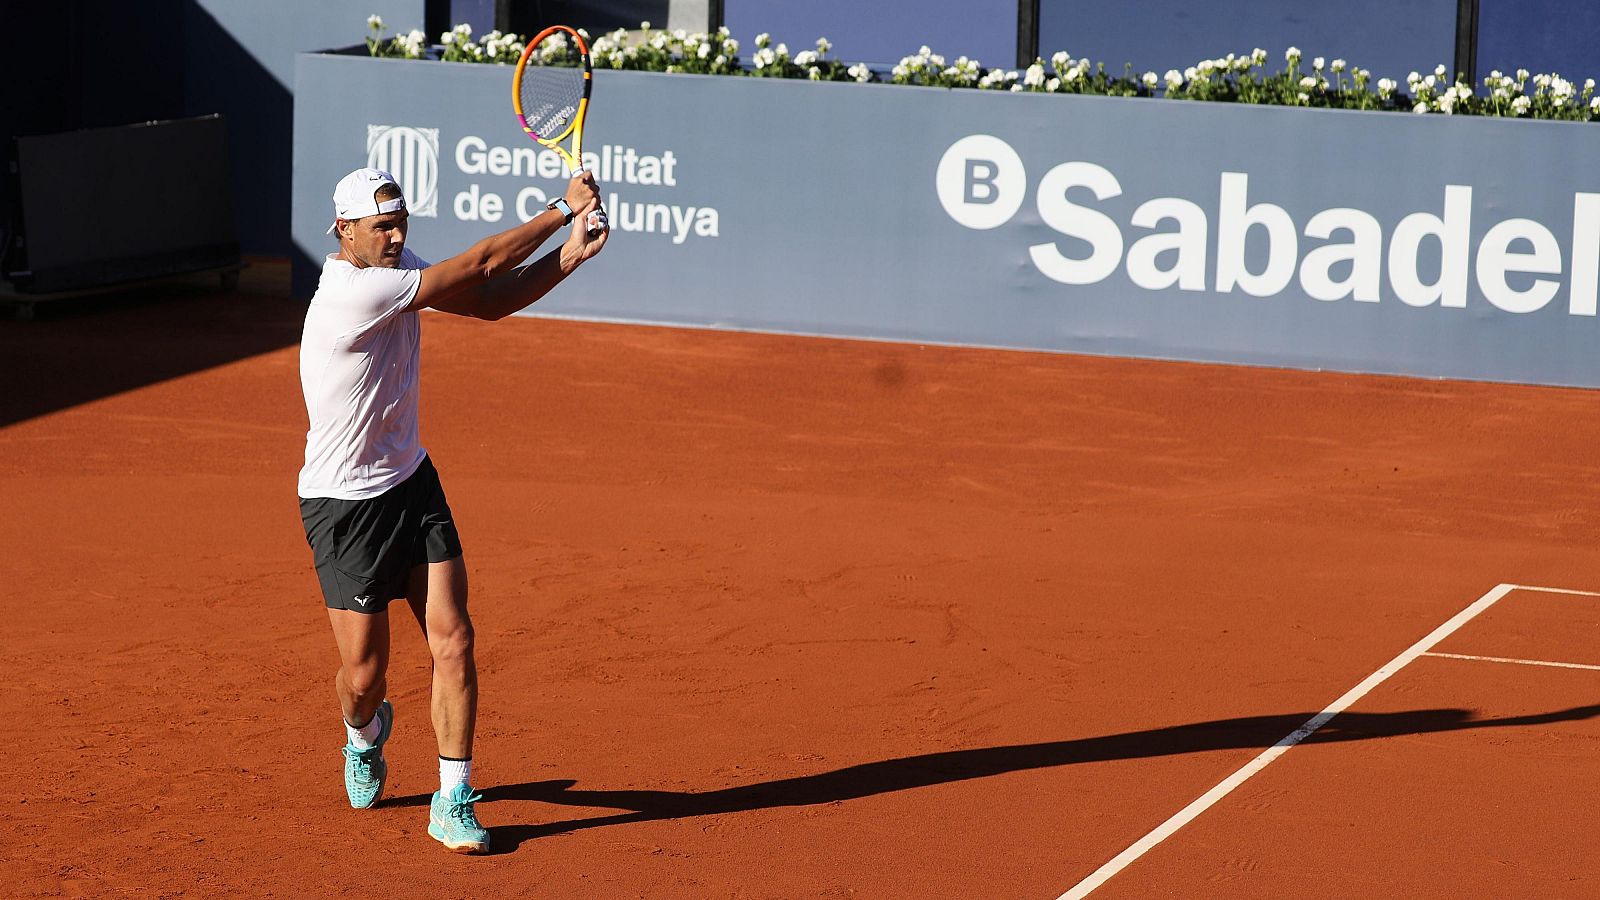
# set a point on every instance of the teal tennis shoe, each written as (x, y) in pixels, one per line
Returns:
(452, 822)
(365, 770)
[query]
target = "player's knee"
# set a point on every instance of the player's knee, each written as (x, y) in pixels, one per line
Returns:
(452, 648)
(363, 680)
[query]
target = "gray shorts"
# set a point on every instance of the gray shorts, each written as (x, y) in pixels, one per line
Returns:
(364, 550)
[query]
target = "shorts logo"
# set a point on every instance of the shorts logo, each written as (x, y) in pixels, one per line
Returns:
(411, 155)
(362, 599)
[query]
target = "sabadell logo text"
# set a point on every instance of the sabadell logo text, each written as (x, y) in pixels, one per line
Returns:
(1339, 254)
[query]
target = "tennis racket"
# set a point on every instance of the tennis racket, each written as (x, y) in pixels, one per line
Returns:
(550, 92)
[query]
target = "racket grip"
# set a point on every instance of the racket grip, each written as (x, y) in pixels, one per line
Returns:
(597, 222)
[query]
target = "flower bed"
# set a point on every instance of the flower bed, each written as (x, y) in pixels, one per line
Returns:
(1234, 78)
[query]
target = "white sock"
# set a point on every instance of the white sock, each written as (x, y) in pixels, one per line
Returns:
(365, 737)
(453, 772)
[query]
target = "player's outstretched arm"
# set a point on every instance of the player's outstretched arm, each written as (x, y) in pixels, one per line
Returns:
(457, 284)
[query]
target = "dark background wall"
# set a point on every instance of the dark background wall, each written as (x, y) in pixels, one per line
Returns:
(1558, 36)
(87, 63)
(1391, 39)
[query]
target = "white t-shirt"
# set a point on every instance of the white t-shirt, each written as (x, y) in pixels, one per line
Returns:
(359, 356)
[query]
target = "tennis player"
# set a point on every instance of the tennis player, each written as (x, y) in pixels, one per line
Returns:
(374, 511)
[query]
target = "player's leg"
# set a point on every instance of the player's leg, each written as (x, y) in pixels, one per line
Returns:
(361, 684)
(438, 599)
(352, 545)
(362, 681)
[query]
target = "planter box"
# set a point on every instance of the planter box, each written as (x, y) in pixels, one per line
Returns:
(1366, 242)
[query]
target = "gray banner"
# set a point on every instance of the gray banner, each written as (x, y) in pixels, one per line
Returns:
(1374, 242)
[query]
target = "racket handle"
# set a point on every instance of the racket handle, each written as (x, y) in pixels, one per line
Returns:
(597, 222)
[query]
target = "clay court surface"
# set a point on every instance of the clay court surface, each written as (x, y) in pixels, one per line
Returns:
(765, 616)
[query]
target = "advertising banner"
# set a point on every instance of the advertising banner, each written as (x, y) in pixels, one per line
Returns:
(1366, 242)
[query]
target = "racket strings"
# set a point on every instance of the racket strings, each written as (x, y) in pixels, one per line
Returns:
(550, 97)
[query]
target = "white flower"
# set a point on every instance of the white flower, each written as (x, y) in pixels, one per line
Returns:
(1292, 55)
(1421, 107)
(765, 57)
(1338, 65)
(1413, 78)
(1190, 74)
(1308, 82)
(1304, 97)
(1386, 86)
(1494, 75)
(1054, 84)
(720, 61)
(1174, 79)
(900, 71)
(1060, 60)
(375, 23)
(1439, 70)
(1035, 76)
(1259, 56)
(763, 39)
(1542, 80)
(936, 59)
(816, 73)
(464, 29)
(823, 46)
(1151, 80)
(1520, 105)
(783, 49)
(730, 46)
(681, 34)
(1594, 105)
(804, 58)
(1072, 74)
(1317, 64)
(1016, 87)
(1522, 74)
(1430, 81)
(705, 51)
(860, 72)
(1447, 103)
(1364, 74)
(449, 37)
(491, 47)
(1205, 67)
(644, 26)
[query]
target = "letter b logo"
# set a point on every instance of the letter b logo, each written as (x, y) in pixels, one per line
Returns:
(981, 181)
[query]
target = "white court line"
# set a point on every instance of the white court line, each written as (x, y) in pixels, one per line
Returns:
(1206, 801)
(1549, 590)
(1520, 662)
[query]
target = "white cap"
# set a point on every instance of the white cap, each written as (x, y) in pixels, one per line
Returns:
(353, 196)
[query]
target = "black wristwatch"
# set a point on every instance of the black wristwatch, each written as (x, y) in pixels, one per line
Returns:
(560, 203)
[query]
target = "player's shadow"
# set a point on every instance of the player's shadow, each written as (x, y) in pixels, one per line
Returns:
(928, 769)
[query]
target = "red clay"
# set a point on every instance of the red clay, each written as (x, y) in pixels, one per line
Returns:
(769, 616)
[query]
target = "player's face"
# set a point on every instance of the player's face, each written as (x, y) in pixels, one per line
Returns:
(378, 240)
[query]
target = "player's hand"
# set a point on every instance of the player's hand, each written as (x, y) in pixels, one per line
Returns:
(582, 190)
(582, 242)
